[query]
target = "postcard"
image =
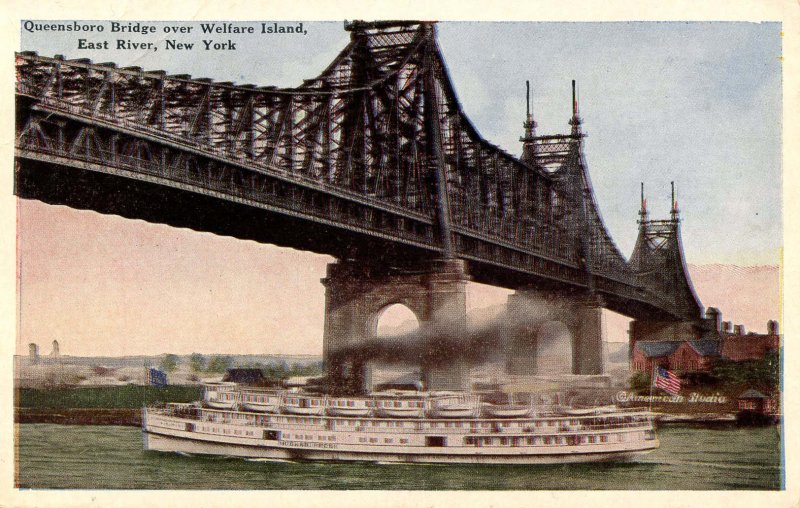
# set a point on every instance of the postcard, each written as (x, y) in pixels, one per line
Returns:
(399, 260)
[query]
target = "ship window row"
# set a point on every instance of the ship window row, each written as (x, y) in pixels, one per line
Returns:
(496, 426)
(303, 402)
(306, 437)
(386, 440)
(533, 440)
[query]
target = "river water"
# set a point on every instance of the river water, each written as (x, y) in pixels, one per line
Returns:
(110, 457)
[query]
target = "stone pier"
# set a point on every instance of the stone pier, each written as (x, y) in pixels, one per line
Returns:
(355, 296)
(536, 316)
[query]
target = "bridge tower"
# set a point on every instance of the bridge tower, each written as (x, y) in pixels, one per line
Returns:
(578, 311)
(356, 291)
(659, 264)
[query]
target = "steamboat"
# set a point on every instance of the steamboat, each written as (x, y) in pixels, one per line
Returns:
(393, 426)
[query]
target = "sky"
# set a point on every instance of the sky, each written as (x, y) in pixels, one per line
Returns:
(694, 103)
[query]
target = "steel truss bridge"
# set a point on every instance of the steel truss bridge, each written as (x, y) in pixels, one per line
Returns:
(372, 160)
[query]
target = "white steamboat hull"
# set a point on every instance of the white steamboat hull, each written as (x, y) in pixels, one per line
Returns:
(194, 445)
(185, 435)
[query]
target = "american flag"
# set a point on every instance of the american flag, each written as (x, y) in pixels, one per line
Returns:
(667, 381)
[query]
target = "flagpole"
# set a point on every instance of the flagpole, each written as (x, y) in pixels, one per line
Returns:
(652, 376)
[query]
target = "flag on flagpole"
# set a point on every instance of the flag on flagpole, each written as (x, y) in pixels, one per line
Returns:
(157, 377)
(667, 381)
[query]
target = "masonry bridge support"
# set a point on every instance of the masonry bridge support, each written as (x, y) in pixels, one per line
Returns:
(355, 296)
(532, 346)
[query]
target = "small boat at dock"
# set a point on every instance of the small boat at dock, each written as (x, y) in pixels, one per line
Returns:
(221, 395)
(261, 400)
(299, 404)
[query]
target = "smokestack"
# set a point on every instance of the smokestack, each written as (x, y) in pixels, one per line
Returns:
(772, 327)
(713, 316)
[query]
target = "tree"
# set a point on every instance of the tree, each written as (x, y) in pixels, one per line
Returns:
(640, 381)
(276, 371)
(197, 362)
(763, 373)
(219, 364)
(169, 363)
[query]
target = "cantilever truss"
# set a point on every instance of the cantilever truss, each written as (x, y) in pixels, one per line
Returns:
(377, 143)
(658, 262)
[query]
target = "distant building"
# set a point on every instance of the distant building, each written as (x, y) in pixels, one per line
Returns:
(33, 353)
(56, 352)
(244, 376)
(738, 346)
(649, 354)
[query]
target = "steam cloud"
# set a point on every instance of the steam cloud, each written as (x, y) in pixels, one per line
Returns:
(445, 340)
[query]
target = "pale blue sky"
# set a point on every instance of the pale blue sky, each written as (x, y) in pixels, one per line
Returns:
(694, 102)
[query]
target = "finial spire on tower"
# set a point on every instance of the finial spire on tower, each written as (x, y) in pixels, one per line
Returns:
(575, 121)
(674, 210)
(643, 208)
(529, 124)
(528, 138)
(528, 98)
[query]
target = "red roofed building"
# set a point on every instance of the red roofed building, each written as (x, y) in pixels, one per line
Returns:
(681, 356)
(694, 356)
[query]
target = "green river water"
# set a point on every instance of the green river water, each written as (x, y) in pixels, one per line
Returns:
(109, 457)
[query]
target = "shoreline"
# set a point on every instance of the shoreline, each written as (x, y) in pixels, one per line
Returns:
(130, 417)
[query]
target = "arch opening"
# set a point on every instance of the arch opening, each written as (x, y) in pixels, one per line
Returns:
(554, 354)
(395, 320)
(392, 323)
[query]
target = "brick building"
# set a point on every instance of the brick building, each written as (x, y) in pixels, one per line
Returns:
(738, 346)
(683, 356)
(698, 355)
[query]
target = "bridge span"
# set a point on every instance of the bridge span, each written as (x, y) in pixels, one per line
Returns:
(373, 162)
